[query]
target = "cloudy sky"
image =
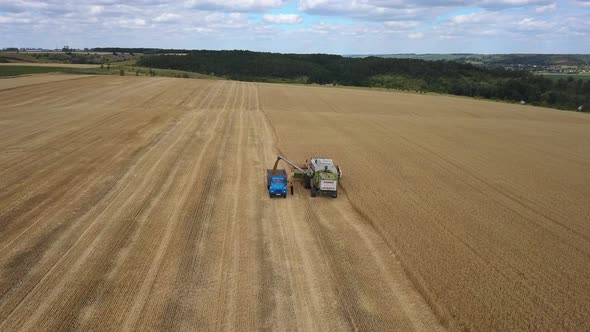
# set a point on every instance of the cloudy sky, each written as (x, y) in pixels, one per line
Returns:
(303, 26)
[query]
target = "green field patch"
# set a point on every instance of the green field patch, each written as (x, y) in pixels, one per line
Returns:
(28, 70)
(126, 70)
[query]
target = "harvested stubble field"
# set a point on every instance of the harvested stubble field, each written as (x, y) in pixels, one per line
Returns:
(140, 203)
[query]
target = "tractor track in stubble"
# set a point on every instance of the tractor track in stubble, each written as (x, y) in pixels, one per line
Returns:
(58, 142)
(139, 303)
(161, 157)
(199, 215)
(231, 219)
(459, 172)
(164, 191)
(40, 200)
(64, 121)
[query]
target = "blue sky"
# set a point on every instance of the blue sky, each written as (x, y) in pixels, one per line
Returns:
(303, 26)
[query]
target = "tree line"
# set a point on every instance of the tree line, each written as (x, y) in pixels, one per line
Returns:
(404, 74)
(133, 50)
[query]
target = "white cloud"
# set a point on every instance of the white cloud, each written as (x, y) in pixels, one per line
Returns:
(508, 27)
(234, 5)
(416, 35)
(387, 10)
(21, 5)
(395, 10)
(401, 25)
(15, 19)
(134, 23)
(222, 21)
(548, 8)
(468, 18)
(167, 17)
(378, 10)
(95, 10)
(283, 18)
(532, 24)
(511, 3)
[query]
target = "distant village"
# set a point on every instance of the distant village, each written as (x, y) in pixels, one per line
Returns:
(553, 69)
(44, 50)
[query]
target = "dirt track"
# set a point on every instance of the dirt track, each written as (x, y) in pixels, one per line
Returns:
(140, 203)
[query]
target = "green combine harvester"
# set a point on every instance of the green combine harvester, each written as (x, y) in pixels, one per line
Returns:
(318, 174)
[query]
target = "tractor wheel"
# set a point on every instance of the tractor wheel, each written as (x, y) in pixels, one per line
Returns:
(285, 196)
(335, 194)
(313, 192)
(306, 182)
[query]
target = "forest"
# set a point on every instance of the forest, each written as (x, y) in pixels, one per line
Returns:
(441, 76)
